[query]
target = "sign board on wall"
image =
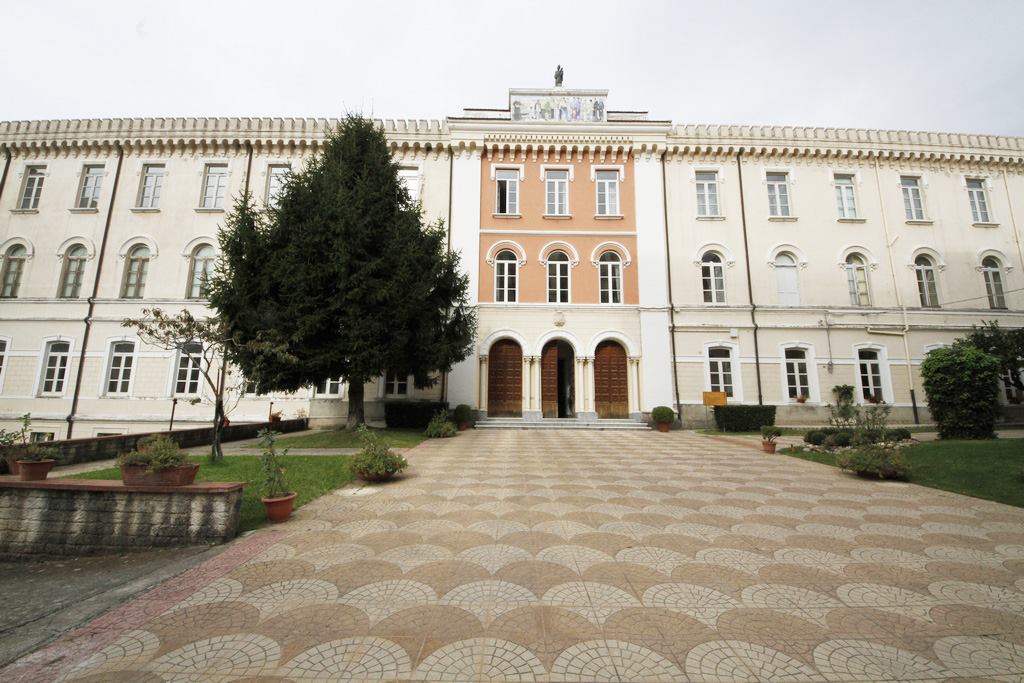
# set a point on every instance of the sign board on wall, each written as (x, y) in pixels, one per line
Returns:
(559, 104)
(715, 398)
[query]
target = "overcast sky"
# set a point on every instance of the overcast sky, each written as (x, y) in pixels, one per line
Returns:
(912, 64)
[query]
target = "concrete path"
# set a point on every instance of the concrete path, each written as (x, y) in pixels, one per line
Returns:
(518, 555)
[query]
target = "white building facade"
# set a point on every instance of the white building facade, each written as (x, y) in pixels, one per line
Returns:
(617, 263)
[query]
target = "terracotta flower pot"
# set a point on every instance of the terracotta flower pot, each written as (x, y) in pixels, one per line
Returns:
(139, 475)
(801, 399)
(663, 426)
(279, 509)
(768, 446)
(12, 467)
(463, 426)
(34, 470)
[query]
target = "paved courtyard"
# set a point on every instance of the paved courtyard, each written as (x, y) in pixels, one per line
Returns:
(588, 556)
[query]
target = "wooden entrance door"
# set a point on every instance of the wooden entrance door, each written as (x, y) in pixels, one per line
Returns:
(505, 379)
(611, 386)
(549, 379)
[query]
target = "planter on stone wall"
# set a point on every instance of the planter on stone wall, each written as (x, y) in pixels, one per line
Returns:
(140, 475)
(34, 470)
(279, 509)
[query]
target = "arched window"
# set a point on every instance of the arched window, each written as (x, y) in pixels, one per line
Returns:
(14, 266)
(720, 370)
(55, 367)
(558, 278)
(135, 269)
(200, 270)
(610, 277)
(506, 267)
(857, 280)
(925, 270)
(990, 268)
(74, 267)
(786, 280)
(797, 383)
(712, 276)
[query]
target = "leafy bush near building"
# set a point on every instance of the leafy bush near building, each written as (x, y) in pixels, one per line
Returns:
(462, 414)
(744, 418)
(663, 415)
(961, 382)
(440, 427)
(376, 461)
(155, 452)
(884, 463)
(414, 414)
(815, 437)
(838, 440)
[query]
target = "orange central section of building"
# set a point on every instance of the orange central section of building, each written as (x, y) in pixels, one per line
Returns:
(533, 234)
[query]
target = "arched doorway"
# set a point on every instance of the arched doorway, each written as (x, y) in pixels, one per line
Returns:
(558, 379)
(505, 379)
(611, 384)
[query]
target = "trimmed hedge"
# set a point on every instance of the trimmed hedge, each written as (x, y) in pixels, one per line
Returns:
(962, 385)
(744, 418)
(412, 414)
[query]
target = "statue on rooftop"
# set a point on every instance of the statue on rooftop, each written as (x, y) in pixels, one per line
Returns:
(558, 76)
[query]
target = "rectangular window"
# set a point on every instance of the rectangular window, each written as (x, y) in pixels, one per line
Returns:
(796, 373)
(913, 206)
(55, 367)
(410, 178)
(41, 437)
(506, 192)
(215, 186)
(89, 189)
(778, 194)
(189, 359)
(979, 200)
(610, 275)
(275, 181)
(870, 371)
(720, 368)
(33, 187)
(607, 193)
(557, 183)
(3, 355)
(122, 356)
(395, 385)
(846, 204)
(707, 193)
(330, 387)
(151, 186)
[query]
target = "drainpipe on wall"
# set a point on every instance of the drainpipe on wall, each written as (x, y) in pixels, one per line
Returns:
(7, 165)
(750, 286)
(248, 164)
(95, 290)
(671, 304)
(448, 229)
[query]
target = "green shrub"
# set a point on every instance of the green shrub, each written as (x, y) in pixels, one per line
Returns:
(770, 433)
(376, 460)
(274, 484)
(962, 385)
(663, 415)
(744, 418)
(462, 413)
(898, 434)
(411, 414)
(884, 463)
(155, 452)
(866, 437)
(838, 440)
(440, 427)
(815, 437)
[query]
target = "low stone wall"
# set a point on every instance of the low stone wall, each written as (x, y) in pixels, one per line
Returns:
(83, 517)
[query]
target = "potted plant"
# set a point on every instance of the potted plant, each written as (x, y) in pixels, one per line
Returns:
(801, 398)
(156, 461)
(768, 435)
(663, 417)
(277, 498)
(463, 416)
(8, 441)
(440, 427)
(35, 462)
(275, 416)
(375, 462)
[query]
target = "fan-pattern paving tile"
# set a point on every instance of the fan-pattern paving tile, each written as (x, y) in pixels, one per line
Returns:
(548, 555)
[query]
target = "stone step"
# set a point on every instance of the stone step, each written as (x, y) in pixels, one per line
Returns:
(519, 423)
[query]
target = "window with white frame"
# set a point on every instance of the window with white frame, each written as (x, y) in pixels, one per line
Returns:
(979, 200)
(215, 186)
(607, 192)
(778, 194)
(41, 437)
(3, 355)
(396, 385)
(201, 265)
(707, 193)
(55, 367)
(506, 267)
(991, 270)
(787, 280)
(924, 269)
(1011, 394)
(151, 186)
(74, 268)
(119, 376)
(186, 382)
(89, 187)
(558, 278)
(846, 201)
(557, 186)
(506, 198)
(136, 268)
(410, 179)
(720, 370)
(32, 187)
(857, 280)
(712, 277)
(913, 203)
(869, 370)
(276, 174)
(609, 268)
(14, 267)
(797, 382)
(331, 387)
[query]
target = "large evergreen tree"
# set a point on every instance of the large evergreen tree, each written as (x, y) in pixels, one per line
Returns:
(341, 278)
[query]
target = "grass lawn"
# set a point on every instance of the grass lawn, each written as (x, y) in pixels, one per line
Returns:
(792, 431)
(343, 438)
(992, 469)
(310, 475)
